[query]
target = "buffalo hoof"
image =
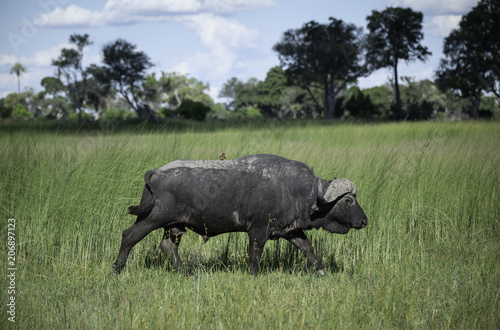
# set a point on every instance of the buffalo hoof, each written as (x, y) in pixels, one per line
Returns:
(321, 272)
(186, 272)
(117, 268)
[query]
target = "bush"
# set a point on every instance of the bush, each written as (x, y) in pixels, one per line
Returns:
(85, 116)
(117, 114)
(360, 105)
(19, 111)
(190, 109)
(252, 112)
(166, 113)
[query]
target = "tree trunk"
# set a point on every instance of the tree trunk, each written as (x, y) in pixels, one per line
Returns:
(145, 113)
(98, 112)
(330, 101)
(333, 104)
(476, 102)
(18, 87)
(326, 102)
(396, 88)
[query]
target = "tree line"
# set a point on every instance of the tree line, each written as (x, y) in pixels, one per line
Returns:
(319, 67)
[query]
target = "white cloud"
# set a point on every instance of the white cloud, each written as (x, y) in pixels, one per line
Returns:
(215, 63)
(434, 7)
(441, 25)
(116, 12)
(37, 66)
(152, 6)
(72, 16)
(8, 59)
(427, 73)
(216, 31)
(222, 38)
(40, 58)
(31, 78)
(44, 57)
(233, 5)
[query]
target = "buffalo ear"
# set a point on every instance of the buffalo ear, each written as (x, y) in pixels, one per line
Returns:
(316, 196)
(336, 189)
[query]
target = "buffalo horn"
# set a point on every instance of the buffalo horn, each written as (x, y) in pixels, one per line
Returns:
(339, 187)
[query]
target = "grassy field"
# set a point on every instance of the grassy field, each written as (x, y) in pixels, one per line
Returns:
(429, 257)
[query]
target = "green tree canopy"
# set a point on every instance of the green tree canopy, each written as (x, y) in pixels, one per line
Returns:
(472, 55)
(127, 69)
(190, 109)
(325, 56)
(155, 90)
(240, 94)
(359, 104)
(182, 87)
(394, 35)
(70, 65)
(18, 69)
(52, 86)
(98, 88)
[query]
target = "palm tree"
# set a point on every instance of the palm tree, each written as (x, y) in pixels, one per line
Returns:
(18, 69)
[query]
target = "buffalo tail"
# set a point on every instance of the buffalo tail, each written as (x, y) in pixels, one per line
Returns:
(144, 208)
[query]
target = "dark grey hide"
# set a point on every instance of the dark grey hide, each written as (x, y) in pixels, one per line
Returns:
(267, 196)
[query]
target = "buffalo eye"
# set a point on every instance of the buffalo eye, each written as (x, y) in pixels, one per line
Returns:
(349, 201)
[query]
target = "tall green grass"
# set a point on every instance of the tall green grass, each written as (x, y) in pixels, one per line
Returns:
(428, 258)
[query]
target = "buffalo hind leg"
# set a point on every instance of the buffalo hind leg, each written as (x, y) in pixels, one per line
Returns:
(255, 248)
(130, 238)
(300, 240)
(170, 245)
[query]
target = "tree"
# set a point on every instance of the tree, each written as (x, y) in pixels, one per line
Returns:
(127, 67)
(98, 88)
(271, 91)
(70, 65)
(277, 98)
(382, 98)
(52, 86)
(472, 62)
(359, 104)
(154, 91)
(190, 109)
(18, 69)
(30, 100)
(55, 105)
(181, 87)
(241, 94)
(325, 56)
(19, 111)
(395, 35)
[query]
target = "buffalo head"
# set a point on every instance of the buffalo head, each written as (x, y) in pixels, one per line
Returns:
(337, 207)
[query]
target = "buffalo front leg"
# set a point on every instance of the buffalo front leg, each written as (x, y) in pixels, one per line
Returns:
(300, 240)
(130, 238)
(170, 245)
(255, 249)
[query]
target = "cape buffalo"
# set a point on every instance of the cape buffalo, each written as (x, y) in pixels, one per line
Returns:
(267, 196)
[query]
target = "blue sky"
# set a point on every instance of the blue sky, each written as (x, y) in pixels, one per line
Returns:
(210, 40)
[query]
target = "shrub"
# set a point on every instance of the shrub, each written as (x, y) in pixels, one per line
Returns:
(117, 114)
(85, 116)
(361, 105)
(252, 112)
(167, 113)
(190, 109)
(19, 111)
